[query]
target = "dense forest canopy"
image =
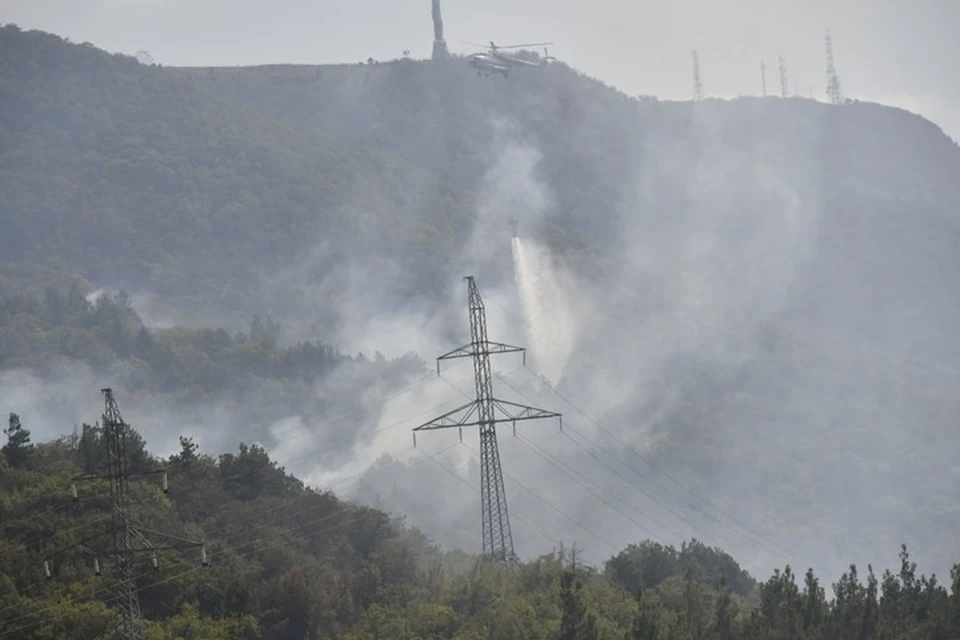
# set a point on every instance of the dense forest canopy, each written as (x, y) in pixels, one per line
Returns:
(286, 561)
(744, 308)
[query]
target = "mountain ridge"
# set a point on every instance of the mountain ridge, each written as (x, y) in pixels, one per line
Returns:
(690, 241)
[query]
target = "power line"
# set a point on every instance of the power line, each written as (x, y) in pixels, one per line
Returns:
(215, 552)
(653, 481)
(540, 498)
(309, 452)
(171, 466)
(127, 539)
(631, 449)
(450, 471)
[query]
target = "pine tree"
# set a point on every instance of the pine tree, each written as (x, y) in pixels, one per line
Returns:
(576, 622)
(725, 613)
(18, 448)
(645, 622)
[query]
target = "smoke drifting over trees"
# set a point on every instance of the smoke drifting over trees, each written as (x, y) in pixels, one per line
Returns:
(744, 309)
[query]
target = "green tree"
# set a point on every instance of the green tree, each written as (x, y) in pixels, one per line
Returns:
(576, 622)
(814, 606)
(646, 621)
(18, 449)
(725, 615)
(188, 451)
(643, 566)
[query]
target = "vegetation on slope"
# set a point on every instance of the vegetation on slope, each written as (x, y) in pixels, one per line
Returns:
(135, 178)
(107, 333)
(287, 561)
(293, 191)
(220, 386)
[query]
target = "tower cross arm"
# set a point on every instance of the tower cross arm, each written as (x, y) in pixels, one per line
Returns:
(468, 415)
(87, 477)
(512, 411)
(176, 542)
(484, 348)
(459, 417)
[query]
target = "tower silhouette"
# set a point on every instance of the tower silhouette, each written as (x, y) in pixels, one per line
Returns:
(118, 472)
(486, 412)
(834, 92)
(697, 81)
(439, 44)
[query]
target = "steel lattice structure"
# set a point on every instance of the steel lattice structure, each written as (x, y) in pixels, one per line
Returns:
(115, 435)
(697, 80)
(486, 411)
(834, 91)
(123, 532)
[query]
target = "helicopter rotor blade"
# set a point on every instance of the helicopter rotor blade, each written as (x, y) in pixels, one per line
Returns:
(518, 46)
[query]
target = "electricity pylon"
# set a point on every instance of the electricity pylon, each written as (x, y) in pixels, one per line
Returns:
(124, 534)
(486, 411)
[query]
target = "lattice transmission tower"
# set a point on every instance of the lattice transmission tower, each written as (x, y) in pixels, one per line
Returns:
(834, 92)
(127, 540)
(697, 80)
(485, 412)
(784, 85)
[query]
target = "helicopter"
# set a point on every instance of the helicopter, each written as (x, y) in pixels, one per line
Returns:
(493, 61)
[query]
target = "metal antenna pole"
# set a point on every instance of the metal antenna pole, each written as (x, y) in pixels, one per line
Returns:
(115, 435)
(697, 80)
(486, 411)
(784, 85)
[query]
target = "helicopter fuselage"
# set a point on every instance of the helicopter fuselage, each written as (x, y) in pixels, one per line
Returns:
(486, 64)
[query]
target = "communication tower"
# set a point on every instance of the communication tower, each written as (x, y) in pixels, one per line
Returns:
(834, 92)
(697, 82)
(784, 85)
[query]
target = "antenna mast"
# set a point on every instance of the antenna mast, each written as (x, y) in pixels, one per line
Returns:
(784, 85)
(834, 92)
(697, 82)
(486, 412)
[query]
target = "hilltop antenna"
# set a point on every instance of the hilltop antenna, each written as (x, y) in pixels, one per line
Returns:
(763, 77)
(784, 85)
(697, 82)
(115, 432)
(440, 51)
(486, 412)
(834, 92)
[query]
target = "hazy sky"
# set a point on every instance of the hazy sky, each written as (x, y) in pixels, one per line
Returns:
(901, 52)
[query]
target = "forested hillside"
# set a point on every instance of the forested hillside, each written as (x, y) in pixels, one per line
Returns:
(285, 561)
(860, 198)
(134, 178)
(744, 308)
